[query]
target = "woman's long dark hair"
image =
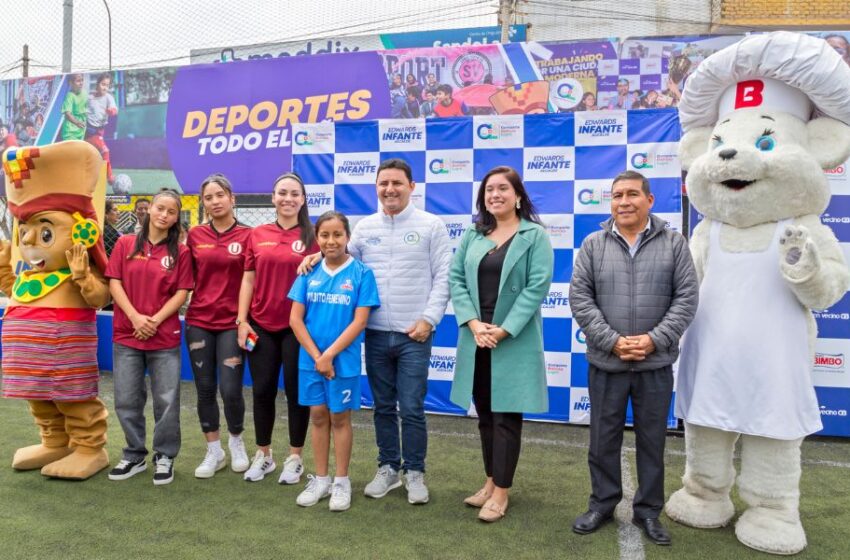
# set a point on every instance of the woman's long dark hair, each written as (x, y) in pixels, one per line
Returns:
(172, 239)
(308, 236)
(485, 222)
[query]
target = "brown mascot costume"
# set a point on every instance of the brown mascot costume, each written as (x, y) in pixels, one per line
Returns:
(49, 332)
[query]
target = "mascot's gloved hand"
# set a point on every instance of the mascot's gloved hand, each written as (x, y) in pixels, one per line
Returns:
(78, 261)
(7, 277)
(799, 257)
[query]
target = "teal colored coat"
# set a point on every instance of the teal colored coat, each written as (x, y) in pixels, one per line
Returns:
(518, 364)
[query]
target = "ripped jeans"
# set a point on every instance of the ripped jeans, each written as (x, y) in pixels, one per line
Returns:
(214, 352)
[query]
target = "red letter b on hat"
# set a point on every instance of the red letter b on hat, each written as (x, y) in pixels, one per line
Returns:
(748, 94)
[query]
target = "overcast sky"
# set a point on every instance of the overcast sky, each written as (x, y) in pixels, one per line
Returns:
(165, 31)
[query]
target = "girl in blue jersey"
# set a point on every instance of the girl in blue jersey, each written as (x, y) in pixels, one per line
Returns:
(330, 307)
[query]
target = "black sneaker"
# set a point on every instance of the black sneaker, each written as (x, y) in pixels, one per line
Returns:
(164, 472)
(125, 469)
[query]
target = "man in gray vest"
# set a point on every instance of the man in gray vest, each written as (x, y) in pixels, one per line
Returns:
(633, 292)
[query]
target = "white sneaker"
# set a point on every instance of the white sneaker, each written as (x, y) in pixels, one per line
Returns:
(238, 455)
(292, 469)
(260, 467)
(417, 492)
(212, 463)
(386, 479)
(164, 472)
(340, 497)
(316, 490)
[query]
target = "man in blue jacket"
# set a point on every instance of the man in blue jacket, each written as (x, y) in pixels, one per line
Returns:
(633, 292)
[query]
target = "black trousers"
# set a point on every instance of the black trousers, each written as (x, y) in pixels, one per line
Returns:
(217, 363)
(273, 349)
(501, 432)
(650, 392)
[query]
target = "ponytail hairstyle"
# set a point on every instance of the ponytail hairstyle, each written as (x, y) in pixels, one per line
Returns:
(173, 236)
(308, 236)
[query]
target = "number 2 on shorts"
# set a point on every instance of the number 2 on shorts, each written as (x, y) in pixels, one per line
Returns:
(346, 396)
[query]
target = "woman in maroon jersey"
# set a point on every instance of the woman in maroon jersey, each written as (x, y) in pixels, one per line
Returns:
(273, 256)
(150, 275)
(218, 254)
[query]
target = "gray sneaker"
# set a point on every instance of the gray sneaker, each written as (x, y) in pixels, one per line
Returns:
(417, 492)
(386, 479)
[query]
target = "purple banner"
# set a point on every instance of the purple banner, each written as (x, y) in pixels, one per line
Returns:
(236, 118)
(575, 69)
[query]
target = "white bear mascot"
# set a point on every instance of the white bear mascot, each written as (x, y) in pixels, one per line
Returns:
(762, 119)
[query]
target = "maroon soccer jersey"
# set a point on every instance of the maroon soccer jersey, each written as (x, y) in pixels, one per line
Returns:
(218, 259)
(149, 284)
(274, 254)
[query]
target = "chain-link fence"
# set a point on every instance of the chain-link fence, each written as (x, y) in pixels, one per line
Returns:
(251, 210)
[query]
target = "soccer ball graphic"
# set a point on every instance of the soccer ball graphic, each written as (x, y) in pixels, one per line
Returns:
(122, 185)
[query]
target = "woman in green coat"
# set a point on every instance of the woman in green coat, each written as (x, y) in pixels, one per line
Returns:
(500, 275)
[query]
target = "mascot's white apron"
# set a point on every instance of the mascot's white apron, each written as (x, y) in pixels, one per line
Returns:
(745, 364)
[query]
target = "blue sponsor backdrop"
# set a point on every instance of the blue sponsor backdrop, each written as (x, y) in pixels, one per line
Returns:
(567, 162)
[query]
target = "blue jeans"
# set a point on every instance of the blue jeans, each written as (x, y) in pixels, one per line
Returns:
(397, 368)
(128, 372)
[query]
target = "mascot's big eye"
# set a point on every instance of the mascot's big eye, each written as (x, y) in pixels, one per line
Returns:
(765, 143)
(46, 235)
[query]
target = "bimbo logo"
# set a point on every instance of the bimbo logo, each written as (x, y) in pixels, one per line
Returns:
(839, 171)
(437, 166)
(565, 91)
(829, 361)
(749, 94)
(303, 139)
(641, 160)
(485, 132)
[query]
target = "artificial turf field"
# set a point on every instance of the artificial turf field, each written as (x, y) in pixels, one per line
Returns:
(226, 517)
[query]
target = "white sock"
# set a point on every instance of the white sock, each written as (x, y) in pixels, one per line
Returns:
(324, 479)
(234, 440)
(215, 446)
(344, 480)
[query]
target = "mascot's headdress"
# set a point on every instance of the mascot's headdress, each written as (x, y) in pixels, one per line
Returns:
(794, 73)
(60, 177)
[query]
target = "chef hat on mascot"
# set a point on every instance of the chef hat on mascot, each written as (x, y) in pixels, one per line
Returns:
(780, 71)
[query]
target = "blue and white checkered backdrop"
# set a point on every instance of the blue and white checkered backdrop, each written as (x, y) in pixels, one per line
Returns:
(567, 162)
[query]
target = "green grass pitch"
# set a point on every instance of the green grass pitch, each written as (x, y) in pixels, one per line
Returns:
(228, 518)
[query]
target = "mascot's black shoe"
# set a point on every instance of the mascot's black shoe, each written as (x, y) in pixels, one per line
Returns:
(590, 521)
(654, 530)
